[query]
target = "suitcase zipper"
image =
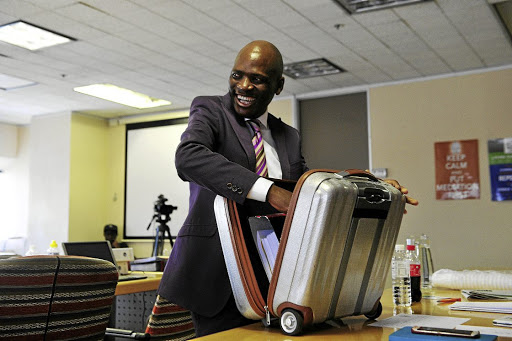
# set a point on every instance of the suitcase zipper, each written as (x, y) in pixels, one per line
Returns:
(267, 315)
(254, 297)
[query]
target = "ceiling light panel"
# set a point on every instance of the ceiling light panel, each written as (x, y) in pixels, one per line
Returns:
(31, 37)
(120, 95)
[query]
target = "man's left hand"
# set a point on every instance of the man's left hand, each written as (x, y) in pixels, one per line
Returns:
(279, 198)
(404, 190)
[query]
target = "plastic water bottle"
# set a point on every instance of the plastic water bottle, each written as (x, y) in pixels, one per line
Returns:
(53, 250)
(427, 267)
(31, 250)
(401, 279)
(414, 272)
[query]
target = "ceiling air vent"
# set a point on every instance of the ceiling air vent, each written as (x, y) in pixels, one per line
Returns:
(358, 6)
(311, 68)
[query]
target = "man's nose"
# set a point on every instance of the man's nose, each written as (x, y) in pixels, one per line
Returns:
(245, 84)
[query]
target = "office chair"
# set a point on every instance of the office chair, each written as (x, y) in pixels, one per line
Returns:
(167, 321)
(55, 297)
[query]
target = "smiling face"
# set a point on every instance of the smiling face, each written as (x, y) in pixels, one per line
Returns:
(255, 78)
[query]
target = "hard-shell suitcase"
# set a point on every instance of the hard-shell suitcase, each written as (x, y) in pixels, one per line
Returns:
(334, 252)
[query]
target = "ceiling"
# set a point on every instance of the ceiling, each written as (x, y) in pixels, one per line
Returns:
(178, 49)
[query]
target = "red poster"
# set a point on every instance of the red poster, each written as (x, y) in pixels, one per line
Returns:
(457, 171)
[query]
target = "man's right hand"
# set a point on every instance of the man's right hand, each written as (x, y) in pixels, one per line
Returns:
(279, 198)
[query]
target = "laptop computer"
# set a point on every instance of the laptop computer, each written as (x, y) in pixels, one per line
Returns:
(101, 250)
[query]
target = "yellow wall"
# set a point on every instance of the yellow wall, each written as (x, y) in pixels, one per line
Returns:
(116, 174)
(89, 180)
(406, 120)
(282, 108)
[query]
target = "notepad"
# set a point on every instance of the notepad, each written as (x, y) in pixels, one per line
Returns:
(492, 307)
(488, 294)
(503, 322)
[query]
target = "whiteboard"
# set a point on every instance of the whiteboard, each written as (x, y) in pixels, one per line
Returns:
(149, 172)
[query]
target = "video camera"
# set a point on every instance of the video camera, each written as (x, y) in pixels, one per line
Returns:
(162, 216)
(161, 208)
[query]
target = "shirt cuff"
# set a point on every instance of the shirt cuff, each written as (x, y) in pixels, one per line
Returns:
(260, 189)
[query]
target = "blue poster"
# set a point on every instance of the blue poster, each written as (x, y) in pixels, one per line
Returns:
(500, 164)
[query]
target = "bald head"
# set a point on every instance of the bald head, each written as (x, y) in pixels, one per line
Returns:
(263, 50)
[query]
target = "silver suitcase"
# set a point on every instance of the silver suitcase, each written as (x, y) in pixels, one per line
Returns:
(334, 251)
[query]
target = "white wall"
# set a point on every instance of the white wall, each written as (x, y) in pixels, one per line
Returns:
(49, 180)
(8, 140)
(14, 183)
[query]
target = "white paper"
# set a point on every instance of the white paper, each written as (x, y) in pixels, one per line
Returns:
(408, 320)
(267, 243)
(496, 307)
(507, 144)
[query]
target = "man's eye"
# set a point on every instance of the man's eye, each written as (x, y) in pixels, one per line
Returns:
(257, 80)
(235, 75)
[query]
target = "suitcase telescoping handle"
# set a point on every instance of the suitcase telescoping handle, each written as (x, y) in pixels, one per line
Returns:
(357, 172)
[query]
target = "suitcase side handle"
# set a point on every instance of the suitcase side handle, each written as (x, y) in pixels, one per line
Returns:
(357, 172)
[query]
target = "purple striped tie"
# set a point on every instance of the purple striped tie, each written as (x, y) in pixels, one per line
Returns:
(257, 142)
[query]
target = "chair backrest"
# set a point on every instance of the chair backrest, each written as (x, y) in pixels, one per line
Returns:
(55, 297)
(169, 321)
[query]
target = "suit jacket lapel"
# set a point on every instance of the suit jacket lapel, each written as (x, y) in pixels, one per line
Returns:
(242, 132)
(275, 126)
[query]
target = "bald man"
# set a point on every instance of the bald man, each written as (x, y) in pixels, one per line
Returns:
(216, 156)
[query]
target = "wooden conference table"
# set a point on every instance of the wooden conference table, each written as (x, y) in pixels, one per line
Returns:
(139, 285)
(356, 327)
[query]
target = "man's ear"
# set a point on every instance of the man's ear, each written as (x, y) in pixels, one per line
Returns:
(280, 86)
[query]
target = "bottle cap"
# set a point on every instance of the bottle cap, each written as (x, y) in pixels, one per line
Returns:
(411, 247)
(425, 240)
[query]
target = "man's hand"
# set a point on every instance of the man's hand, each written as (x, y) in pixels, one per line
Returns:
(279, 198)
(404, 190)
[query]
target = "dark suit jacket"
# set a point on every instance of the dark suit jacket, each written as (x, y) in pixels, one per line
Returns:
(216, 156)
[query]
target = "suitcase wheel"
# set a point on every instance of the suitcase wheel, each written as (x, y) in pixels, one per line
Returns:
(291, 322)
(376, 313)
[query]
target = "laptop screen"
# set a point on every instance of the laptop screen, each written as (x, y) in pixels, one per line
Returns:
(101, 250)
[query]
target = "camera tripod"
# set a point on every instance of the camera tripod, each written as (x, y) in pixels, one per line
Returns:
(161, 230)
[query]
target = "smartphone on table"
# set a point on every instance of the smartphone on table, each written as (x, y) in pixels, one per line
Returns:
(446, 332)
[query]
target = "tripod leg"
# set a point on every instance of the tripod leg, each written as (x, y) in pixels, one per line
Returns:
(168, 230)
(161, 241)
(157, 245)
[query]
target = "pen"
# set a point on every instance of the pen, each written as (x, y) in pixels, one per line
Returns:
(448, 300)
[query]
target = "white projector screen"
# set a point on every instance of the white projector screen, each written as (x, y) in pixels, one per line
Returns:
(150, 171)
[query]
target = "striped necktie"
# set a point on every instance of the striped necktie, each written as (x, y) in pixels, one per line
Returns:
(257, 142)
